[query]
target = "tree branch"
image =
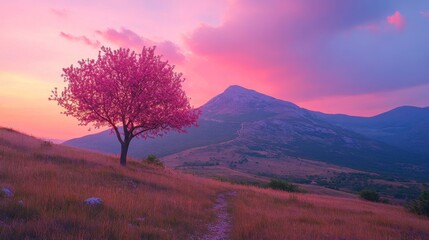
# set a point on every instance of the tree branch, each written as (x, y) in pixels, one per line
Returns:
(141, 131)
(118, 134)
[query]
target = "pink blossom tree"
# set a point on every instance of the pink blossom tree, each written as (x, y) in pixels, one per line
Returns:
(138, 95)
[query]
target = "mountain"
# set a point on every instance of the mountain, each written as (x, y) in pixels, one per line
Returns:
(238, 104)
(267, 136)
(404, 127)
(221, 119)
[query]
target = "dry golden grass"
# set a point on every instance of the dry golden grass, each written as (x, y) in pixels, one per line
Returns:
(148, 202)
(140, 202)
(269, 214)
(290, 166)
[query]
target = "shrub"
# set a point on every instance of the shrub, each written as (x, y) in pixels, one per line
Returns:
(46, 145)
(421, 205)
(370, 195)
(283, 185)
(152, 159)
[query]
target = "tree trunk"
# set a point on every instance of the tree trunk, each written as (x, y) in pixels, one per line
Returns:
(124, 152)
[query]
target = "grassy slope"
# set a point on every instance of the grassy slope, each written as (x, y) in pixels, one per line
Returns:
(54, 181)
(145, 202)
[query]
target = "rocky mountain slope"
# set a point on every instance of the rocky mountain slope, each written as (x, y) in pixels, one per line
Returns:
(404, 127)
(242, 124)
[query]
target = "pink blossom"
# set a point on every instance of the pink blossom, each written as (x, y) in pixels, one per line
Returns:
(139, 93)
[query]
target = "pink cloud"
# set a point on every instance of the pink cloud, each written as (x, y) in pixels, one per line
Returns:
(130, 39)
(171, 51)
(425, 14)
(396, 20)
(285, 42)
(305, 50)
(123, 38)
(82, 39)
(62, 13)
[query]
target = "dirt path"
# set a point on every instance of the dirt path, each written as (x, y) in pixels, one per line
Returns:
(220, 229)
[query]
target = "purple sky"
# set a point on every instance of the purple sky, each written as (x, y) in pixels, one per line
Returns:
(358, 57)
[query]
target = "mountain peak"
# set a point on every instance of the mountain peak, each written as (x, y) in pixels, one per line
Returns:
(235, 94)
(405, 113)
(239, 100)
(239, 90)
(236, 87)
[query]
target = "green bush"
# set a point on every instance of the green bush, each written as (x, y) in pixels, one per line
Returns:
(421, 205)
(283, 185)
(370, 195)
(152, 159)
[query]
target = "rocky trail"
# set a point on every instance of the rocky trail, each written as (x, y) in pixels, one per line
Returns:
(220, 229)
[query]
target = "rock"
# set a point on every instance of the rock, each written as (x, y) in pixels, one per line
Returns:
(6, 192)
(93, 201)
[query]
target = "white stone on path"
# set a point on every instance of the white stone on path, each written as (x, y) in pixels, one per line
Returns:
(6, 192)
(93, 201)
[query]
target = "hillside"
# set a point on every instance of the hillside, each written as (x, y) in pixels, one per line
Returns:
(251, 132)
(404, 127)
(221, 119)
(142, 201)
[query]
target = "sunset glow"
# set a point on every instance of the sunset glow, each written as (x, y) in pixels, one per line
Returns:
(354, 57)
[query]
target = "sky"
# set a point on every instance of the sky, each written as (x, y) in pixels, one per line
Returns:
(357, 57)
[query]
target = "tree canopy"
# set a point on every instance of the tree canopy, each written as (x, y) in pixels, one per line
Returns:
(137, 94)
